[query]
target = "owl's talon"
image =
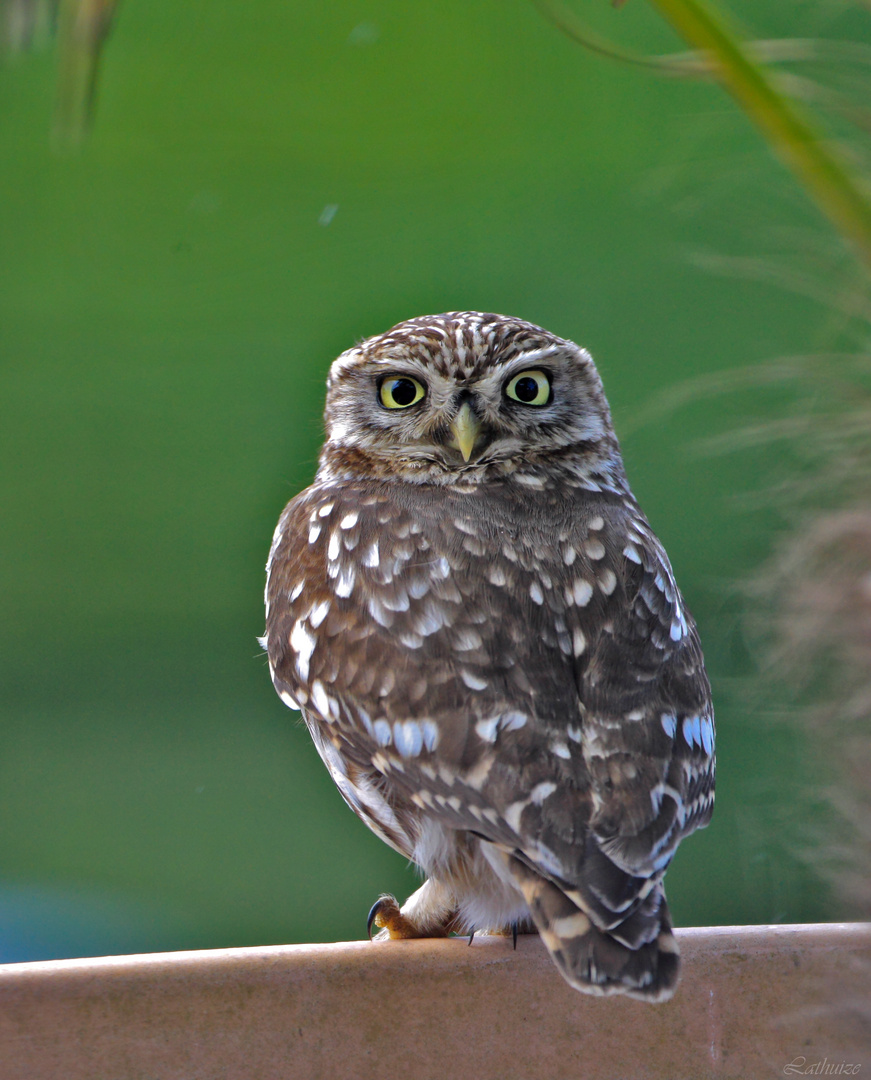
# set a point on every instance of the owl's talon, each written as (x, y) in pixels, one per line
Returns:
(371, 919)
(385, 914)
(374, 913)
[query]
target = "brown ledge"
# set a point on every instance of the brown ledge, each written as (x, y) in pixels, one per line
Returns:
(754, 1001)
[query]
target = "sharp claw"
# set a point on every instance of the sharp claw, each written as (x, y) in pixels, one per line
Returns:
(472, 935)
(373, 911)
(514, 934)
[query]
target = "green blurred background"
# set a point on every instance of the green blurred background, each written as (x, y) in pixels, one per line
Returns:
(264, 185)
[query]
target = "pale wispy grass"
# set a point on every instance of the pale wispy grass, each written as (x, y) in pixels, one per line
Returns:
(809, 604)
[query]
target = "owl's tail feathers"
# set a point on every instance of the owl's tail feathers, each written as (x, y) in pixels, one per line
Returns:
(639, 957)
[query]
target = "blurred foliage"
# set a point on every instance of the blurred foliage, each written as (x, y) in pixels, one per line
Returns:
(81, 27)
(26, 24)
(768, 99)
(263, 186)
(84, 26)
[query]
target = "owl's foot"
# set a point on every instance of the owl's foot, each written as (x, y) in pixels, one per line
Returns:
(386, 915)
(429, 912)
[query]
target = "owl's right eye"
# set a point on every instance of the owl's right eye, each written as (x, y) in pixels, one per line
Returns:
(400, 391)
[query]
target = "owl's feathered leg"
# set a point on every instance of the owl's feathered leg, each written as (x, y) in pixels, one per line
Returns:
(429, 912)
(594, 960)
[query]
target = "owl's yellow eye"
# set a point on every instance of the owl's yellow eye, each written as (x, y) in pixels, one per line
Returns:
(529, 388)
(400, 391)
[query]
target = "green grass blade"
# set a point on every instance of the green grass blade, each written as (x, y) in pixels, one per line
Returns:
(790, 132)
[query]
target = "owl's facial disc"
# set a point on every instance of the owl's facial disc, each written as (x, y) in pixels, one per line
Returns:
(450, 399)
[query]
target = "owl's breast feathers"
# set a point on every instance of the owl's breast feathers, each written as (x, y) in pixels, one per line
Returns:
(517, 665)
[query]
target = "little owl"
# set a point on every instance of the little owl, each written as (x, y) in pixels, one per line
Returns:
(489, 649)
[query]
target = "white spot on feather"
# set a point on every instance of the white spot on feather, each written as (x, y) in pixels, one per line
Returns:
(383, 733)
(399, 602)
(496, 575)
(513, 813)
(366, 719)
(473, 681)
(429, 620)
(288, 699)
(418, 589)
(631, 553)
(582, 592)
(318, 613)
(320, 698)
(379, 613)
(487, 729)
(407, 738)
(571, 926)
(541, 791)
(707, 729)
(430, 734)
(441, 568)
(303, 645)
(349, 520)
(692, 731)
(607, 582)
(345, 581)
(513, 721)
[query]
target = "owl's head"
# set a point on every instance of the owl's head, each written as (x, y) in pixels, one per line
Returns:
(465, 397)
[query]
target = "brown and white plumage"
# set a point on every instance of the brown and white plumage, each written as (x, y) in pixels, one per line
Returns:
(489, 648)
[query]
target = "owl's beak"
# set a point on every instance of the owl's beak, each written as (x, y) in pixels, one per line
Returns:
(465, 430)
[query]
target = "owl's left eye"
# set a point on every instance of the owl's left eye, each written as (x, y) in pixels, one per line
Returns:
(400, 391)
(529, 388)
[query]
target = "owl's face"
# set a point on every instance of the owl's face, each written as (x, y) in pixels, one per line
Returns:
(462, 398)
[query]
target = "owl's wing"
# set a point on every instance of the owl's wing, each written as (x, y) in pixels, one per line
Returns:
(648, 723)
(642, 754)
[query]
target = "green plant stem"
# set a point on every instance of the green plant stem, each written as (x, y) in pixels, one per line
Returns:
(789, 131)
